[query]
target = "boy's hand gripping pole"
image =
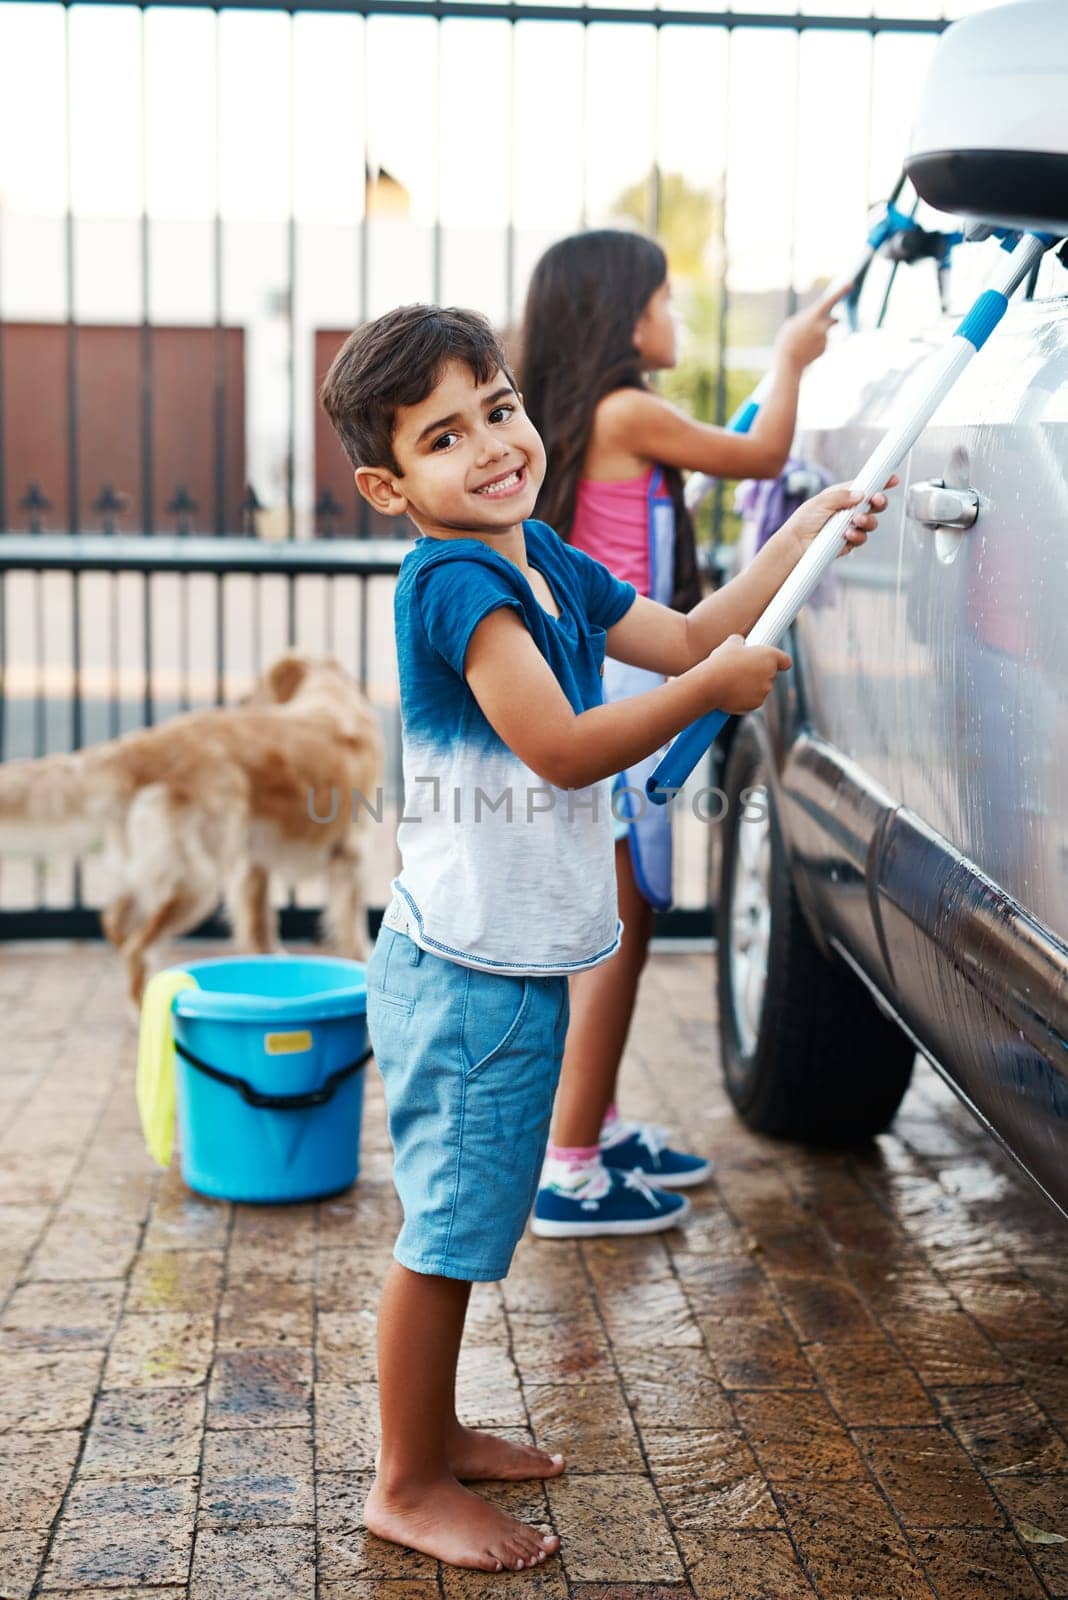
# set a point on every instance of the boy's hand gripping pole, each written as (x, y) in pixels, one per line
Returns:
(945, 369)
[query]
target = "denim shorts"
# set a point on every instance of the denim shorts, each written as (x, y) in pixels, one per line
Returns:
(470, 1062)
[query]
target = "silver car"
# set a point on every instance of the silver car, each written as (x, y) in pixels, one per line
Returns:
(897, 877)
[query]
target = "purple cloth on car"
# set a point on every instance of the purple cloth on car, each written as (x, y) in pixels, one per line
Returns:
(764, 504)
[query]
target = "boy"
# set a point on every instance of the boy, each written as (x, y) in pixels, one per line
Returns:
(507, 882)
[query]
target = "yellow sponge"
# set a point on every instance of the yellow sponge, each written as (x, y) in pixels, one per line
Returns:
(155, 1061)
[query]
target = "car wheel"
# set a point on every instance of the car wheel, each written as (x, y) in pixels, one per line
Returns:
(807, 1054)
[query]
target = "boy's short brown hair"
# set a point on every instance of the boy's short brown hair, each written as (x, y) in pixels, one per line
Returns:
(396, 361)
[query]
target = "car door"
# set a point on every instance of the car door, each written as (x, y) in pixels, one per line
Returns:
(971, 875)
(842, 778)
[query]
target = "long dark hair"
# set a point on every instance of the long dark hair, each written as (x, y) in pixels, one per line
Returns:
(586, 295)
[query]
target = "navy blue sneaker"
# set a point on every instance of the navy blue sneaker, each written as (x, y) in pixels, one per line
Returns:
(612, 1202)
(640, 1147)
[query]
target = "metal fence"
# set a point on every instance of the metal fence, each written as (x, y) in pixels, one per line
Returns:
(100, 636)
(168, 332)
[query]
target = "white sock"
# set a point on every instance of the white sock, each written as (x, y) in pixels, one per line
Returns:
(571, 1170)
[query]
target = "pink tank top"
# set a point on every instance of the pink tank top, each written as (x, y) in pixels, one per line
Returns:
(611, 523)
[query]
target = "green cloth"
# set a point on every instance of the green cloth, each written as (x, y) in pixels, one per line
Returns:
(155, 1061)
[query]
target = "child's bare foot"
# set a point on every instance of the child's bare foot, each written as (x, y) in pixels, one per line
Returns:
(445, 1520)
(473, 1455)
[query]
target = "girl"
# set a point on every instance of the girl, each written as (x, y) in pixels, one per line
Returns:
(598, 320)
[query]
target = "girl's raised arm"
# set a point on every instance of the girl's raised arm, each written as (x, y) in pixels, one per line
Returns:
(642, 424)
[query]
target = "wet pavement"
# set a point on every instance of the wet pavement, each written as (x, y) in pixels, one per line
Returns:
(848, 1377)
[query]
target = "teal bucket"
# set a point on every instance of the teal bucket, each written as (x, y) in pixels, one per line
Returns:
(270, 1057)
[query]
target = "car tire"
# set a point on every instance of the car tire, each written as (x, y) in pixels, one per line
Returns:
(807, 1055)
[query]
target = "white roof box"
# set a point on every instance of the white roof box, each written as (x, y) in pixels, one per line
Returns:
(990, 141)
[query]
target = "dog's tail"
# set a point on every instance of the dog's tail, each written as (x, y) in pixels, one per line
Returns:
(44, 807)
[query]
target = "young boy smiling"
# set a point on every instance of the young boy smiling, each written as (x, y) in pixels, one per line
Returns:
(507, 882)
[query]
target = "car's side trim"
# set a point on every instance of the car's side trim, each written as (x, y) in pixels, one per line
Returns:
(1002, 951)
(835, 818)
(940, 1067)
(842, 820)
(978, 982)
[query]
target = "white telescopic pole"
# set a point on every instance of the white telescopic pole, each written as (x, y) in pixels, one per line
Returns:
(945, 368)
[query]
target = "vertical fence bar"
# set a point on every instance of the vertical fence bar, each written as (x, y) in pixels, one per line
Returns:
(653, 197)
(3, 453)
(871, 198)
(291, 268)
(77, 731)
(220, 641)
(40, 705)
(222, 514)
(184, 701)
(363, 514)
(219, 335)
(148, 698)
(114, 647)
(509, 233)
(709, 763)
(3, 664)
(721, 325)
(257, 624)
(147, 473)
(3, 681)
(365, 611)
(72, 332)
(436, 262)
(584, 169)
(791, 287)
(869, 137)
(363, 297)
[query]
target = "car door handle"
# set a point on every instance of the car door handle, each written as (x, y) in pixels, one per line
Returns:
(937, 506)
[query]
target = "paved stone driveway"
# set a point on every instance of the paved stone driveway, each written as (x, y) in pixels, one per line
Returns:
(848, 1377)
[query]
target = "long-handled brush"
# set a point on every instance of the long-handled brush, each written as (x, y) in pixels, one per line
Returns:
(1024, 253)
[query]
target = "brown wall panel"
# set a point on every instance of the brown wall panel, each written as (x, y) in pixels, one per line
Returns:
(333, 471)
(35, 420)
(184, 425)
(109, 426)
(183, 364)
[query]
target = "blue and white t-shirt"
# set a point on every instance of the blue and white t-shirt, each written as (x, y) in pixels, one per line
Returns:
(500, 870)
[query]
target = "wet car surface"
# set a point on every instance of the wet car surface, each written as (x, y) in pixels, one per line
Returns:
(917, 759)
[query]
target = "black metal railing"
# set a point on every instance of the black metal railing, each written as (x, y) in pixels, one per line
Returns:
(100, 636)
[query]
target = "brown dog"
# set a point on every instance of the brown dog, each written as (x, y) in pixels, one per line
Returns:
(205, 807)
